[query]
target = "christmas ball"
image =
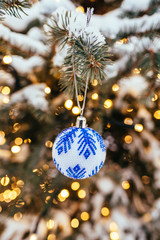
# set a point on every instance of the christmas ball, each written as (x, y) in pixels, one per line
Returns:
(79, 152)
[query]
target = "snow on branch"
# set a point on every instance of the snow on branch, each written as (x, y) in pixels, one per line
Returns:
(136, 6)
(23, 42)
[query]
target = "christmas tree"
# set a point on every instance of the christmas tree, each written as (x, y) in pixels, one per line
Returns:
(43, 46)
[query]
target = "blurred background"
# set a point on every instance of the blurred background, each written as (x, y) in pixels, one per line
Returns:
(121, 202)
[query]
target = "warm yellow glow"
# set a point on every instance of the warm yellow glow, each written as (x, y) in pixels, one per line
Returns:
(6, 194)
(1, 197)
(84, 216)
(15, 149)
(138, 127)
(125, 185)
(50, 224)
(128, 139)
(2, 134)
(49, 144)
(158, 75)
(115, 87)
(33, 236)
(60, 198)
(2, 140)
(76, 110)
(45, 167)
(5, 181)
(105, 211)
(64, 193)
(114, 236)
(0, 209)
(80, 98)
(18, 141)
(136, 70)
(130, 110)
(81, 193)
(95, 82)
(17, 190)
(74, 223)
(75, 186)
(147, 217)
(27, 140)
(157, 114)
(154, 98)
(5, 99)
(80, 9)
(13, 194)
(108, 103)
(128, 121)
(6, 90)
(145, 179)
(51, 237)
(113, 227)
(68, 104)
(108, 125)
(95, 96)
(7, 59)
(16, 127)
(47, 90)
(20, 183)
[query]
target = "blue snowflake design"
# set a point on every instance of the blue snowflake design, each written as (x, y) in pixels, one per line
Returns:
(66, 138)
(100, 140)
(94, 171)
(77, 172)
(57, 165)
(87, 144)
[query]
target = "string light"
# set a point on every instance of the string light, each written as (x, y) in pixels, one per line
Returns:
(105, 211)
(64, 193)
(80, 9)
(7, 59)
(60, 198)
(68, 104)
(5, 99)
(2, 138)
(74, 223)
(5, 181)
(158, 75)
(130, 110)
(16, 127)
(95, 96)
(47, 90)
(75, 186)
(145, 179)
(0, 209)
(80, 98)
(157, 114)
(113, 227)
(138, 127)
(114, 236)
(81, 193)
(125, 185)
(18, 141)
(51, 237)
(5, 90)
(50, 224)
(108, 125)
(128, 121)
(108, 103)
(15, 149)
(84, 216)
(18, 217)
(115, 87)
(128, 139)
(27, 140)
(154, 98)
(49, 144)
(95, 83)
(20, 183)
(136, 70)
(33, 236)
(76, 110)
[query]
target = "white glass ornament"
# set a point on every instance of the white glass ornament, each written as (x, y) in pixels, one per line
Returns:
(79, 152)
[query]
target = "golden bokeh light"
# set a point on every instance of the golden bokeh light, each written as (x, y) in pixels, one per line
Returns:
(130, 110)
(154, 98)
(80, 9)
(20, 183)
(115, 87)
(64, 193)
(105, 211)
(128, 121)
(80, 98)
(81, 193)
(108, 103)
(7, 59)
(157, 114)
(18, 216)
(95, 83)
(74, 223)
(125, 185)
(27, 140)
(51, 237)
(136, 70)
(15, 149)
(145, 179)
(48, 144)
(50, 223)
(158, 75)
(95, 96)
(68, 104)
(18, 141)
(5, 181)
(13, 194)
(5, 90)
(0, 209)
(2, 134)
(128, 139)
(76, 110)
(5, 99)
(60, 198)
(114, 236)
(47, 90)
(33, 236)
(113, 227)
(85, 216)
(138, 127)
(75, 186)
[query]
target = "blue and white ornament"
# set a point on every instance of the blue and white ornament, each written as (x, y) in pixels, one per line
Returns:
(79, 152)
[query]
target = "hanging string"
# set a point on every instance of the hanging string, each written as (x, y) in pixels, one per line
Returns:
(89, 15)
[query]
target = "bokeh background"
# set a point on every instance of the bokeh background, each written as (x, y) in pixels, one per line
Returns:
(121, 202)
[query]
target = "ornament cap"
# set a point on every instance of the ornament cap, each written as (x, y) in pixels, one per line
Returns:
(81, 122)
